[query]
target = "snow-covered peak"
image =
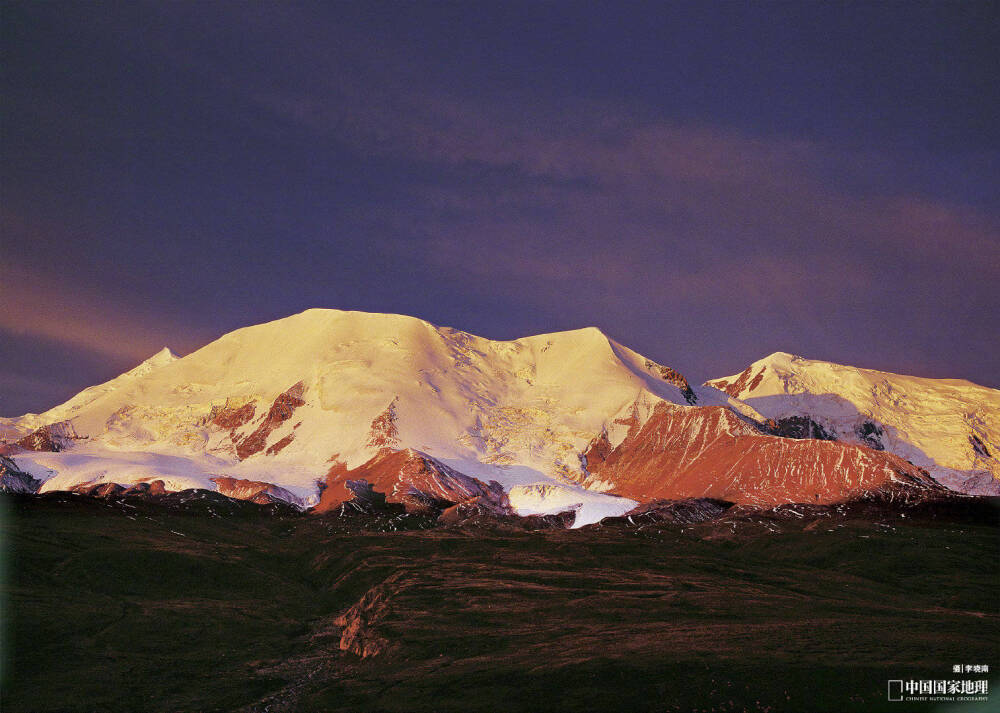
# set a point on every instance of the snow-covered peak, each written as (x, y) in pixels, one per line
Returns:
(86, 398)
(782, 373)
(949, 426)
(162, 357)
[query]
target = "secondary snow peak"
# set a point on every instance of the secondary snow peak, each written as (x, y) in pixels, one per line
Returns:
(946, 426)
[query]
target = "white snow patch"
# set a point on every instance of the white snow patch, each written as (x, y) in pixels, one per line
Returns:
(551, 499)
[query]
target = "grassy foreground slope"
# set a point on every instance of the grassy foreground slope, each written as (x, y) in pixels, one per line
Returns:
(131, 608)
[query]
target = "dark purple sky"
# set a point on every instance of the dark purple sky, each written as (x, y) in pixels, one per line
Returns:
(708, 183)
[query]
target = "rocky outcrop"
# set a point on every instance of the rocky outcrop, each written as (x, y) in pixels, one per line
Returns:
(383, 432)
(368, 511)
(254, 490)
(359, 634)
(671, 511)
(746, 380)
(481, 512)
(111, 490)
(979, 447)
(15, 480)
(979, 484)
(232, 417)
(404, 475)
(799, 427)
(279, 446)
(710, 452)
(281, 410)
(475, 510)
(51, 438)
(152, 497)
(871, 434)
(672, 376)
(231, 488)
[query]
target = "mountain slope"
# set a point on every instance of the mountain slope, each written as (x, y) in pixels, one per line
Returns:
(949, 427)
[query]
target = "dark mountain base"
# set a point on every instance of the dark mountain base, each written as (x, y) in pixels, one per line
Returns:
(117, 605)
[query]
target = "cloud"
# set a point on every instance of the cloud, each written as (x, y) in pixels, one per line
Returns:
(45, 305)
(535, 187)
(578, 188)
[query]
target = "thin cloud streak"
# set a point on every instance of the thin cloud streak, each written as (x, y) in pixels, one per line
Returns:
(45, 306)
(721, 181)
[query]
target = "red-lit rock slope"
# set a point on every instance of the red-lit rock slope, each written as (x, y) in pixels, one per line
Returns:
(711, 452)
(404, 476)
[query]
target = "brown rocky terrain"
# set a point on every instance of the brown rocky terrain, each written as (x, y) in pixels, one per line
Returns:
(281, 410)
(252, 490)
(405, 476)
(710, 452)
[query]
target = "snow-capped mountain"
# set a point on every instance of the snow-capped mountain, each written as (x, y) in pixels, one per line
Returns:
(305, 408)
(281, 402)
(949, 427)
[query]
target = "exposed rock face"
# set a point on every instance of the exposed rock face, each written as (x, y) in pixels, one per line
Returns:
(111, 490)
(230, 417)
(980, 484)
(281, 410)
(871, 434)
(152, 496)
(800, 427)
(51, 438)
(365, 496)
(383, 432)
(746, 380)
(979, 447)
(228, 489)
(600, 448)
(710, 452)
(277, 447)
(15, 480)
(359, 634)
(404, 474)
(486, 513)
(949, 427)
(475, 510)
(672, 376)
(254, 491)
(368, 511)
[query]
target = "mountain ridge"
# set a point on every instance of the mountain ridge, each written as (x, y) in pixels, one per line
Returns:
(271, 406)
(951, 427)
